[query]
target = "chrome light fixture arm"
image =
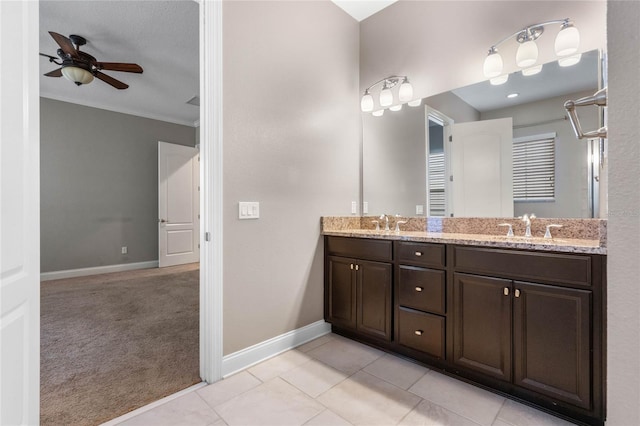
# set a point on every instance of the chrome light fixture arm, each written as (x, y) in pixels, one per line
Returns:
(530, 32)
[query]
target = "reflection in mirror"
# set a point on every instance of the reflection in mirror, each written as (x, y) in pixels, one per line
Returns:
(409, 165)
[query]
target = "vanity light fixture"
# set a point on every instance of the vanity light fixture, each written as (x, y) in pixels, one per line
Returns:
(378, 113)
(566, 44)
(396, 108)
(512, 95)
(415, 103)
(405, 92)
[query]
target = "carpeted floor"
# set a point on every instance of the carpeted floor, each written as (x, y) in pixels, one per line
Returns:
(112, 343)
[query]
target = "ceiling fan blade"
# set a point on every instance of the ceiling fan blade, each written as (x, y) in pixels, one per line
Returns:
(118, 66)
(110, 80)
(65, 44)
(55, 73)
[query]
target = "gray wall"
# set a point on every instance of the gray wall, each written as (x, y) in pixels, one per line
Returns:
(453, 107)
(99, 185)
(623, 296)
(292, 142)
(571, 199)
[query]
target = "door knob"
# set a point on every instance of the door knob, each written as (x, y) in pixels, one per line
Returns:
(162, 221)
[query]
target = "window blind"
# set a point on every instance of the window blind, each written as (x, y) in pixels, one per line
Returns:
(534, 168)
(436, 184)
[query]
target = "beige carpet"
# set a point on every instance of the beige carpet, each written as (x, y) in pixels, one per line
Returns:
(112, 343)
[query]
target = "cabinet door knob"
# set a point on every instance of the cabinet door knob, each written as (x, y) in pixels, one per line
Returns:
(419, 289)
(351, 266)
(517, 293)
(418, 332)
(418, 253)
(506, 291)
(357, 267)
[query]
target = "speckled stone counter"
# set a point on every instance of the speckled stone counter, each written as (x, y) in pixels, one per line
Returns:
(576, 235)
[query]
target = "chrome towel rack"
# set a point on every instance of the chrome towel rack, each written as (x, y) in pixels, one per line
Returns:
(599, 99)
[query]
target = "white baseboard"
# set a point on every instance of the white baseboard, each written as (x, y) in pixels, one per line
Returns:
(252, 355)
(83, 272)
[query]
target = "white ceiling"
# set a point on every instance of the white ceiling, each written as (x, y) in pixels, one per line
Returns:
(160, 36)
(362, 9)
(552, 81)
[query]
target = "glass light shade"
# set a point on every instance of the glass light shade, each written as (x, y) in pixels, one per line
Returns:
(532, 70)
(496, 81)
(378, 113)
(527, 54)
(77, 75)
(569, 60)
(415, 103)
(567, 41)
(493, 65)
(366, 104)
(406, 92)
(396, 107)
(386, 97)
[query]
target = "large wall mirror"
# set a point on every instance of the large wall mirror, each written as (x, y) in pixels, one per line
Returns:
(488, 150)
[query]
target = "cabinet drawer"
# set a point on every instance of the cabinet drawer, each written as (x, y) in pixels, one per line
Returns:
(361, 248)
(540, 267)
(421, 254)
(421, 331)
(421, 289)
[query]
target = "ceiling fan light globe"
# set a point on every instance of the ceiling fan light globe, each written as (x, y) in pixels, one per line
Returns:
(77, 75)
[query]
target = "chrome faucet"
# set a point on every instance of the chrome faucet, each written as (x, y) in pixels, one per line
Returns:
(527, 220)
(386, 222)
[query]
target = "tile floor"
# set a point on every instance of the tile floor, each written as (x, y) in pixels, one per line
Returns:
(336, 381)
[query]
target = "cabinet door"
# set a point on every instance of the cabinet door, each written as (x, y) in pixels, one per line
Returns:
(342, 292)
(374, 298)
(552, 341)
(482, 324)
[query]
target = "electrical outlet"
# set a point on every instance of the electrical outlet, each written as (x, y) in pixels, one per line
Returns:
(354, 207)
(124, 250)
(365, 207)
(419, 209)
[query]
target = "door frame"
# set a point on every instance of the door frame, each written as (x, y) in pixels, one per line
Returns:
(211, 174)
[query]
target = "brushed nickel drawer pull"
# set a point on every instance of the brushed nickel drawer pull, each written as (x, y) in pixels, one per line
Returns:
(517, 293)
(351, 266)
(418, 253)
(419, 289)
(418, 332)
(506, 291)
(357, 267)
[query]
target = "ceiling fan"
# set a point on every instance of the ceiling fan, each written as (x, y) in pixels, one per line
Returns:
(80, 67)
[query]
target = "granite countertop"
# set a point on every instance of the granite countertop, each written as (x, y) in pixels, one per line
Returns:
(568, 245)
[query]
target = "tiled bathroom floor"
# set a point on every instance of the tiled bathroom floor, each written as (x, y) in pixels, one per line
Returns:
(336, 381)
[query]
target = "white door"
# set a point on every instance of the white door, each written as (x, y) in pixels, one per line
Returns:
(19, 214)
(482, 168)
(178, 204)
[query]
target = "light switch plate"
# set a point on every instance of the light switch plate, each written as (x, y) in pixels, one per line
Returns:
(354, 207)
(365, 207)
(248, 210)
(419, 209)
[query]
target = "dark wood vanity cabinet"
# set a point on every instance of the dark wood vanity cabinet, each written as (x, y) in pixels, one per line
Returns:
(536, 336)
(420, 294)
(357, 290)
(527, 324)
